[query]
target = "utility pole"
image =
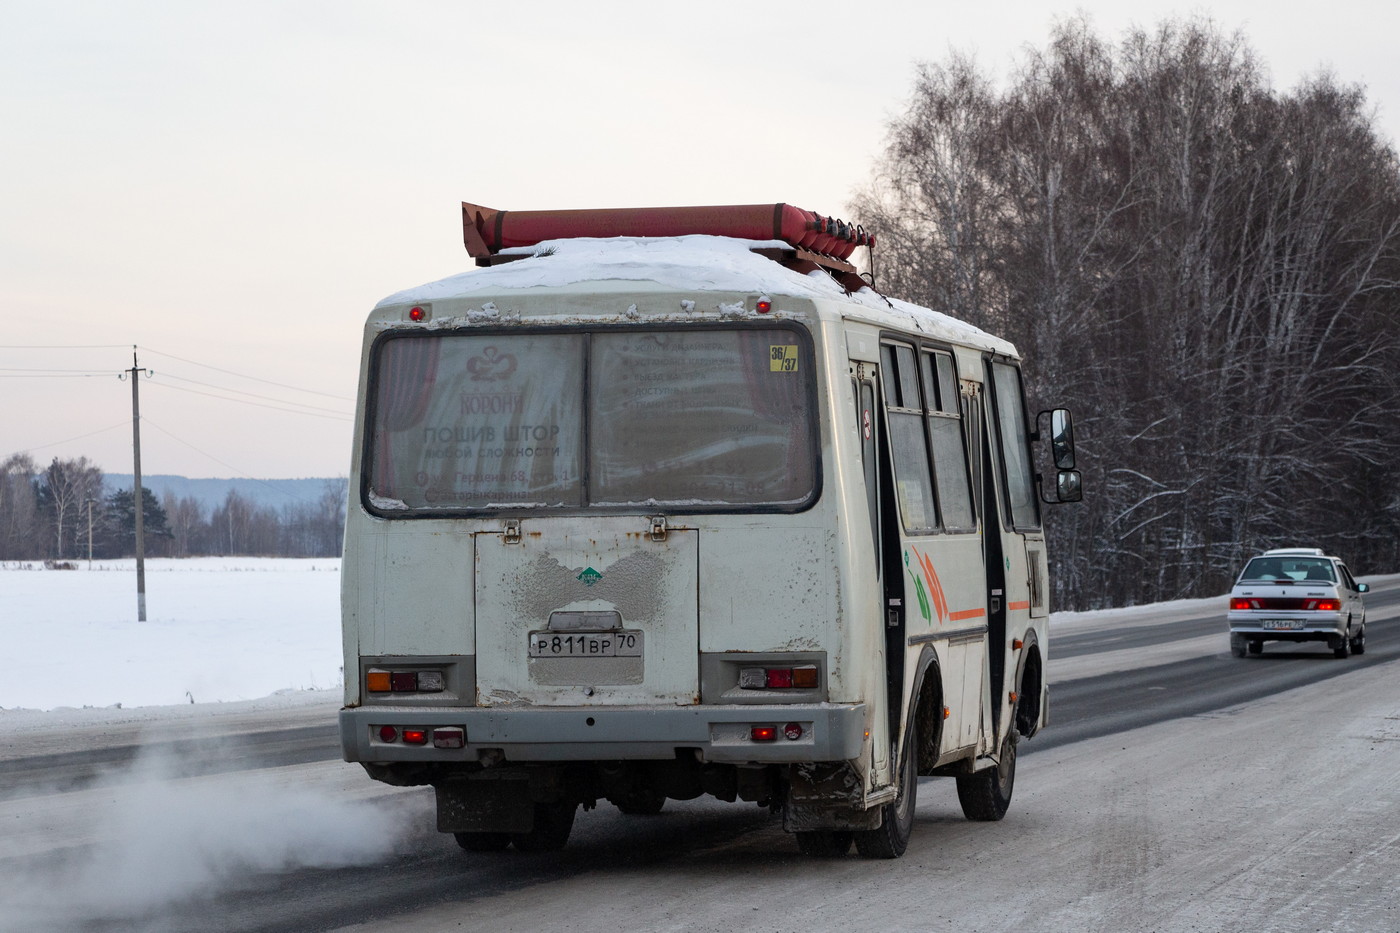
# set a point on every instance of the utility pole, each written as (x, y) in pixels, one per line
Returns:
(89, 507)
(137, 499)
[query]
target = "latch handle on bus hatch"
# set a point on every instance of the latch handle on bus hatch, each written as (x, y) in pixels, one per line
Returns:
(512, 534)
(658, 528)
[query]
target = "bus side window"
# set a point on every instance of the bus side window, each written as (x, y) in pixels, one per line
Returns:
(865, 420)
(904, 411)
(950, 467)
(1023, 507)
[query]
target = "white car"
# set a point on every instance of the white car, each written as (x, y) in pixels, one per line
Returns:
(1297, 594)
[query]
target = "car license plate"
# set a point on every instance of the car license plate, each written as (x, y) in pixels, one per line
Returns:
(1283, 623)
(618, 644)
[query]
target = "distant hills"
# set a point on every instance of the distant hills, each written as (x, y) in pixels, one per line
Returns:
(211, 493)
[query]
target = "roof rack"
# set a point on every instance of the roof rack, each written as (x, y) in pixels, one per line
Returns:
(814, 242)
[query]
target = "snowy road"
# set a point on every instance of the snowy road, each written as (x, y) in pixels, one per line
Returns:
(1176, 789)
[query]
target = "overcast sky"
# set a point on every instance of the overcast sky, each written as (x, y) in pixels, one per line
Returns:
(232, 186)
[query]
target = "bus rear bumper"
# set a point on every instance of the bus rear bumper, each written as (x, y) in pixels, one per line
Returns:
(720, 733)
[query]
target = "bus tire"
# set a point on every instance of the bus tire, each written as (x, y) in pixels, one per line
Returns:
(645, 802)
(985, 795)
(553, 823)
(897, 818)
(483, 842)
(824, 843)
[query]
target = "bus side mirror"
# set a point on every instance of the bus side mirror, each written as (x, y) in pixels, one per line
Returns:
(1069, 483)
(1069, 486)
(1062, 439)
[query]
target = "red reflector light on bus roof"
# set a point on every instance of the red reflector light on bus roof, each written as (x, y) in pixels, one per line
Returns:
(418, 314)
(763, 306)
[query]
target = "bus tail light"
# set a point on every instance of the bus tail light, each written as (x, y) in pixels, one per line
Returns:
(388, 734)
(779, 678)
(451, 737)
(793, 731)
(379, 681)
(415, 736)
(763, 733)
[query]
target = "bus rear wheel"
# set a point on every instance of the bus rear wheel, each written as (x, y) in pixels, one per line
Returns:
(483, 842)
(825, 843)
(897, 818)
(985, 795)
(553, 823)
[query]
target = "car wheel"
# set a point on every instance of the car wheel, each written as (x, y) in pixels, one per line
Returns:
(1341, 646)
(1237, 645)
(1358, 644)
(1256, 647)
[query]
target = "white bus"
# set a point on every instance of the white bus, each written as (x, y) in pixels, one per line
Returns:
(656, 504)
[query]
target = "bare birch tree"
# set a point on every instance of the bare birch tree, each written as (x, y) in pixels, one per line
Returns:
(1205, 268)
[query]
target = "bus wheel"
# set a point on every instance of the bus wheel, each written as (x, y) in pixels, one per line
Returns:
(897, 819)
(644, 802)
(483, 842)
(553, 823)
(986, 794)
(824, 843)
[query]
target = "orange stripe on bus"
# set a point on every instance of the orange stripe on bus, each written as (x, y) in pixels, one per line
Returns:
(1015, 606)
(966, 614)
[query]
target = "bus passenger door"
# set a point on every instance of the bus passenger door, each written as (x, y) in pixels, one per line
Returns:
(884, 528)
(982, 422)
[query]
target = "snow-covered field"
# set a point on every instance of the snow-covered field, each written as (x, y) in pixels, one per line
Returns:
(218, 630)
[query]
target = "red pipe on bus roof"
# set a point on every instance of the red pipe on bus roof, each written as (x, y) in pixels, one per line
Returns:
(487, 231)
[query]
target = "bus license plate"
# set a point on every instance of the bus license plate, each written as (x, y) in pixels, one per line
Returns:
(1283, 623)
(620, 644)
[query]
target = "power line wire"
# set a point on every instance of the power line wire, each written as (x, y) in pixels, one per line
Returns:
(229, 372)
(253, 395)
(121, 424)
(49, 371)
(290, 411)
(221, 463)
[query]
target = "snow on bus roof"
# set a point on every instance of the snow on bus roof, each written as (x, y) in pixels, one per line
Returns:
(695, 263)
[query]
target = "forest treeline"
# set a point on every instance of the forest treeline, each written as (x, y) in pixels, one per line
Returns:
(1205, 269)
(63, 512)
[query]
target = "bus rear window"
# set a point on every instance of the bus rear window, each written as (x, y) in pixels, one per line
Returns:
(692, 420)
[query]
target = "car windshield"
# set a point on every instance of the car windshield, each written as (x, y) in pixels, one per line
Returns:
(1290, 570)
